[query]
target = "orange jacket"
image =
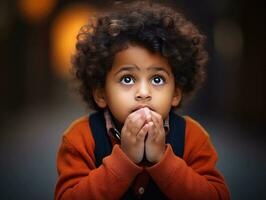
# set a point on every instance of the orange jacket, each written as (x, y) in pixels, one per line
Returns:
(193, 177)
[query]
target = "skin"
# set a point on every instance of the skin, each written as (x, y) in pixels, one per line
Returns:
(140, 91)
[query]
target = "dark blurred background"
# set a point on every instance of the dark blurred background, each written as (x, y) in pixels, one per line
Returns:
(38, 100)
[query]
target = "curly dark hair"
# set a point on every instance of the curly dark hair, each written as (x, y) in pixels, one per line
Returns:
(154, 26)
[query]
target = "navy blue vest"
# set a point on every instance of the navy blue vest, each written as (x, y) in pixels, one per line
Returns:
(103, 148)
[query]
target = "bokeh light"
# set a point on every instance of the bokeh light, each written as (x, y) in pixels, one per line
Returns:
(228, 39)
(35, 11)
(64, 31)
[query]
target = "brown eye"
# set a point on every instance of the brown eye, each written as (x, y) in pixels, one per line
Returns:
(127, 80)
(157, 80)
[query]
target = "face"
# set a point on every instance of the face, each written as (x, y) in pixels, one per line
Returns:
(138, 78)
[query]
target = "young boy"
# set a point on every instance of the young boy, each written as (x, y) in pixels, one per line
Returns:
(135, 65)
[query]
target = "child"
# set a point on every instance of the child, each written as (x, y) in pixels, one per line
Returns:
(135, 65)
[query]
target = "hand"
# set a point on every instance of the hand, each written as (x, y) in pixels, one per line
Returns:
(155, 142)
(133, 135)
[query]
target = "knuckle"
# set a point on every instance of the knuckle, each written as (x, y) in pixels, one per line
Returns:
(129, 118)
(138, 137)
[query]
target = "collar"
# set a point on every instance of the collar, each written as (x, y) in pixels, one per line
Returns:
(112, 130)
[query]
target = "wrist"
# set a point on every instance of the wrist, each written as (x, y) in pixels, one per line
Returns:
(158, 157)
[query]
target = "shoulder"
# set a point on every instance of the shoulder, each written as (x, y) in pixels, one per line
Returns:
(78, 134)
(195, 137)
(195, 128)
(76, 127)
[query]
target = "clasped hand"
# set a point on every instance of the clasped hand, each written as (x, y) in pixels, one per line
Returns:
(143, 131)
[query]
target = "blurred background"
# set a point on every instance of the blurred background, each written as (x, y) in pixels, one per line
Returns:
(38, 99)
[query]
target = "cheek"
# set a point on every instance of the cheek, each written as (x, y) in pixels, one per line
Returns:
(117, 100)
(163, 102)
(118, 96)
(119, 103)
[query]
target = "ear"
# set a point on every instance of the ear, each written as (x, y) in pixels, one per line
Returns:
(177, 97)
(99, 97)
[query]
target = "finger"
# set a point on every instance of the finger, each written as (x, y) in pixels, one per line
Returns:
(129, 121)
(133, 115)
(157, 118)
(147, 115)
(151, 130)
(155, 121)
(135, 122)
(153, 133)
(143, 111)
(139, 119)
(159, 128)
(143, 132)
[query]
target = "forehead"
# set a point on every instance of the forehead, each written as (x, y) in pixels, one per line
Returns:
(141, 57)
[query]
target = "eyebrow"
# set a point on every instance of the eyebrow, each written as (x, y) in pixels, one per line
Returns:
(135, 67)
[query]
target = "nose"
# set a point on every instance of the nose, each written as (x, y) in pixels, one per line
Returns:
(143, 92)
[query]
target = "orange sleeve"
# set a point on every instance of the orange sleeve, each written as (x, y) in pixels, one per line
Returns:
(194, 176)
(80, 179)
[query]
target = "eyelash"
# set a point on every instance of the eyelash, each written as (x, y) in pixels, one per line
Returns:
(132, 78)
(123, 78)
